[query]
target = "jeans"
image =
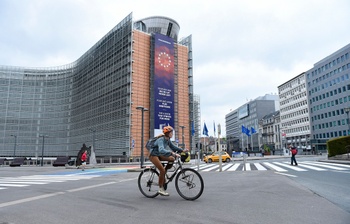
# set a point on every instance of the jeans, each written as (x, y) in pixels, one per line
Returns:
(293, 160)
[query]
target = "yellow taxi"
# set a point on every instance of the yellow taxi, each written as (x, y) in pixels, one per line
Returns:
(215, 157)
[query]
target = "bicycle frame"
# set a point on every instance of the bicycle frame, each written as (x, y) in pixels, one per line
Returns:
(179, 167)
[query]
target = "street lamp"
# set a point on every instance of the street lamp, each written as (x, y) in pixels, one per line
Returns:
(42, 150)
(142, 127)
(183, 136)
(14, 149)
(347, 110)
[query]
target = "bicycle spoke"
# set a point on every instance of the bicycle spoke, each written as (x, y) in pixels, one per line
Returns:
(189, 184)
(148, 183)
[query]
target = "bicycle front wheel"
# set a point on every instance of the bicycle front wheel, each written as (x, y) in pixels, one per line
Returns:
(189, 184)
(148, 182)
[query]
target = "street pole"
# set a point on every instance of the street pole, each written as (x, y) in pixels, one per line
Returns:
(183, 136)
(14, 148)
(220, 156)
(142, 134)
(42, 150)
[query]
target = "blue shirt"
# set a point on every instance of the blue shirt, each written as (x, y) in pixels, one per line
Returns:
(164, 147)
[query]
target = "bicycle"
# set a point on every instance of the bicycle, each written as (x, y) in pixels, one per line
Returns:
(188, 182)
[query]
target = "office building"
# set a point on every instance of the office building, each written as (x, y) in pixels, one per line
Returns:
(294, 113)
(328, 89)
(248, 115)
(54, 111)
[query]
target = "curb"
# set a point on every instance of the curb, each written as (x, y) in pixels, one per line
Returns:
(346, 162)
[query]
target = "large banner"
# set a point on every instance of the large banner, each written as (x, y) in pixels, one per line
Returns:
(163, 82)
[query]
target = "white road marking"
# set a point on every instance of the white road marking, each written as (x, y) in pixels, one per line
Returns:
(285, 174)
(226, 166)
(290, 166)
(311, 167)
(274, 167)
(211, 168)
(234, 167)
(326, 166)
(259, 166)
(247, 167)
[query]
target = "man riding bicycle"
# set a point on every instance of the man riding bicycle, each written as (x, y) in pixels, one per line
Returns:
(164, 150)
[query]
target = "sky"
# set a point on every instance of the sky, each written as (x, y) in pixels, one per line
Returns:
(242, 49)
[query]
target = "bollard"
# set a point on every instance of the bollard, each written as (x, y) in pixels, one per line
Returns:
(244, 161)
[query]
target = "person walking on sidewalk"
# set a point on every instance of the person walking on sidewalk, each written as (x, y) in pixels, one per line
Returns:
(294, 151)
(83, 160)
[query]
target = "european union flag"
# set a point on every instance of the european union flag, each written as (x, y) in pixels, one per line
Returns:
(205, 130)
(253, 130)
(245, 130)
(192, 128)
(248, 132)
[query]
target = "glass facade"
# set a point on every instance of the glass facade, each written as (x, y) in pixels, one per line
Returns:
(70, 104)
(159, 24)
(54, 111)
(328, 85)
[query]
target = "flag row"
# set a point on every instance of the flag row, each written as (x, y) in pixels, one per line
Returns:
(248, 132)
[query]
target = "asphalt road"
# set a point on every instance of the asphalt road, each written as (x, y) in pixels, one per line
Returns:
(112, 196)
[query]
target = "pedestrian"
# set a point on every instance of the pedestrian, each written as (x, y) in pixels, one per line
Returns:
(83, 160)
(294, 151)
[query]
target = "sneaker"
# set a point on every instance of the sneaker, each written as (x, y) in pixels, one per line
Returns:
(163, 192)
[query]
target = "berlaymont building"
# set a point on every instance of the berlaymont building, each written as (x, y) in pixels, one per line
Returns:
(138, 75)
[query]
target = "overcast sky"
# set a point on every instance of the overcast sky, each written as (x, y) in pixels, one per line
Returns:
(242, 49)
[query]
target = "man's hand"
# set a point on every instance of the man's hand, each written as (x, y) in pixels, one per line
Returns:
(185, 150)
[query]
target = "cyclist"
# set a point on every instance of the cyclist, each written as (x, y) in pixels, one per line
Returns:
(164, 150)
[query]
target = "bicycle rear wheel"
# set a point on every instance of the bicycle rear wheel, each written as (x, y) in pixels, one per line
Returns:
(189, 184)
(148, 182)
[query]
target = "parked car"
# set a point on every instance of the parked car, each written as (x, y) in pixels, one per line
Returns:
(71, 162)
(215, 157)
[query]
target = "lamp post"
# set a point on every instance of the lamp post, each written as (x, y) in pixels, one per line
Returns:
(14, 148)
(143, 109)
(183, 136)
(347, 110)
(42, 150)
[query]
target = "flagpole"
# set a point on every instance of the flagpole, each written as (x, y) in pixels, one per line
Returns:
(247, 142)
(251, 141)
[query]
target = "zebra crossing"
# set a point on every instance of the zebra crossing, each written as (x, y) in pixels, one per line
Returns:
(274, 166)
(25, 181)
